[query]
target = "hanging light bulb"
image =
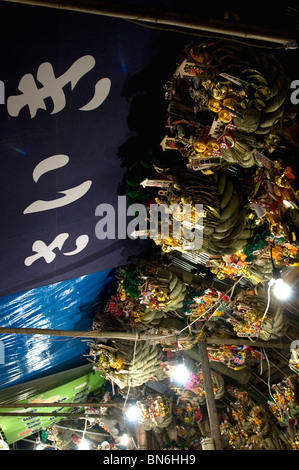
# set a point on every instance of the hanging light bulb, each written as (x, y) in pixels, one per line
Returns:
(124, 440)
(133, 413)
(281, 290)
(180, 374)
(83, 444)
(38, 444)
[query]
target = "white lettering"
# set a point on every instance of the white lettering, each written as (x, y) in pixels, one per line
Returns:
(295, 95)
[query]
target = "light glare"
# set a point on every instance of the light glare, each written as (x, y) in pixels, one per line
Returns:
(133, 413)
(124, 441)
(83, 445)
(281, 290)
(180, 374)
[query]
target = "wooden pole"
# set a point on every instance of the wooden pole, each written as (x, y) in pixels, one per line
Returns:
(92, 334)
(141, 337)
(159, 16)
(141, 437)
(246, 342)
(209, 393)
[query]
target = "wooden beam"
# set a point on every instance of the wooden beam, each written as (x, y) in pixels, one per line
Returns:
(141, 337)
(179, 19)
(141, 437)
(93, 334)
(209, 393)
(246, 342)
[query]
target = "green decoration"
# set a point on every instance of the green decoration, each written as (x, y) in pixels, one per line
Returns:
(131, 282)
(258, 243)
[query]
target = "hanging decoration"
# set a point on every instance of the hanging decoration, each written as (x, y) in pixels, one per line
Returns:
(199, 303)
(294, 359)
(250, 317)
(227, 266)
(225, 101)
(153, 287)
(226, 150)
(128, 363)
(171, 328)
(195, 387)
(105, 358)
(284, 400)
(275, 197)
(247, 425)
(156, 412)
(53, 435)
(234, 357)
(187, 409)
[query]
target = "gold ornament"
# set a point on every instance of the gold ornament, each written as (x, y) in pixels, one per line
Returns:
(230, 103)
(199, 145)
(220, 91)
(214, 105)
(213, 145)
(225, 116)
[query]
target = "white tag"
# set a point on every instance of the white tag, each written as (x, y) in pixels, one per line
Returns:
(217, 128)
(260, 211)
(261, 159)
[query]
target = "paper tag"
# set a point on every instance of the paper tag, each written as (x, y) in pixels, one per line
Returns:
(244, 335)
(189, 69)
(217, 128)
(260, 211)
(236, 266)
(261, 159)
(233, 79)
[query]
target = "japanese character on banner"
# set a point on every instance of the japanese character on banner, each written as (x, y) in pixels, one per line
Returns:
(52, 87)
(69, 195)
(46, 251)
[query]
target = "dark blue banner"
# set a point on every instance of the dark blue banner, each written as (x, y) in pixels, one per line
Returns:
(66, 96)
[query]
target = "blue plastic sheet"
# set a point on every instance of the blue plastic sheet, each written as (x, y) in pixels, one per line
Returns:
(68, 305)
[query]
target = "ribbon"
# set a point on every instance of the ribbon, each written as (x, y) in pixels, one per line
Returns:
(227, 141)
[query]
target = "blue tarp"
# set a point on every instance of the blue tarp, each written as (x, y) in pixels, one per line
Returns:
(68, 305)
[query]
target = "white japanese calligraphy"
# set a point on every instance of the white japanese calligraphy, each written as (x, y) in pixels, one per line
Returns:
(70, 195)
(46, 251)
(52, 87)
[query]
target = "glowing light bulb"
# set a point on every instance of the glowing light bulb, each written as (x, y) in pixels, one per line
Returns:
(180, 374)
(133, 413)
(83, 445)
(125, 439)
(281, 290)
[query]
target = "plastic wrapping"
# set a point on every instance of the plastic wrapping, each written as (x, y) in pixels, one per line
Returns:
(68, 305)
